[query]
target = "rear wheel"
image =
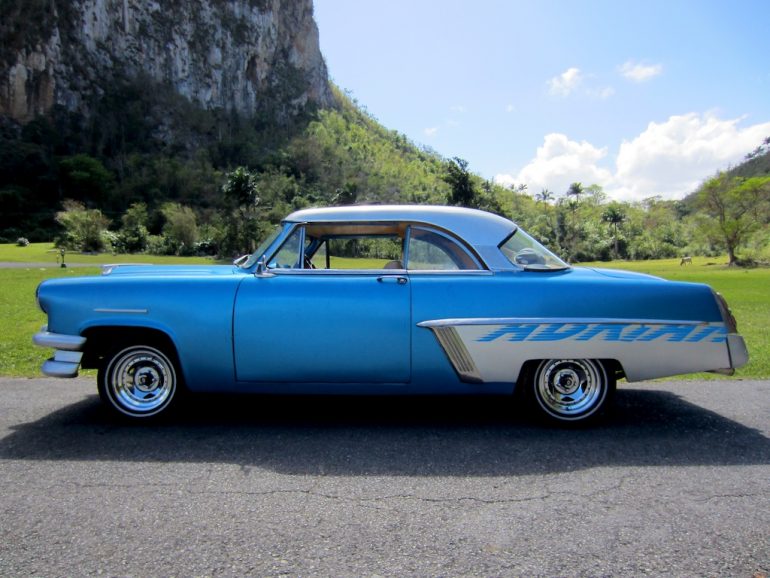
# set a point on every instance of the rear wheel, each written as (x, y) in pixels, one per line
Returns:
(571, 390)
(138, 381)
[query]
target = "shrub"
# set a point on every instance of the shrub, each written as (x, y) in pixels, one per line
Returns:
(83, 228)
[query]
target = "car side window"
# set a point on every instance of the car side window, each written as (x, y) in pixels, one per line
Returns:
(433, 251)
(288, 256)
(356, 252)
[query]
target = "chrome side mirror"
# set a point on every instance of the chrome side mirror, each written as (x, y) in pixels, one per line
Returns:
(261, 266)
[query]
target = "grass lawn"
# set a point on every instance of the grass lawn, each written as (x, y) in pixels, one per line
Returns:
(746, 290)
(21, 318)
(45, 253)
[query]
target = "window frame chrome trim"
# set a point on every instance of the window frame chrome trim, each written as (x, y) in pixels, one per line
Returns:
(433, 323)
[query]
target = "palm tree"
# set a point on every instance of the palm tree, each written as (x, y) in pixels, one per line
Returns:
(614, 215)
(544, 196)
(575, 190)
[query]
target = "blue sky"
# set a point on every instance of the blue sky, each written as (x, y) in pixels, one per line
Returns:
(643, 98)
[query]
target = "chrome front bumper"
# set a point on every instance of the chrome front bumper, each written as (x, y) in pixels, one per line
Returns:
(69, 352)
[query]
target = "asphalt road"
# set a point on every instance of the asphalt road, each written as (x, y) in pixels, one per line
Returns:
(677, 482)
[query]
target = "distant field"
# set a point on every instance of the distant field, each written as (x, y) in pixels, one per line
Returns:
(747, 292)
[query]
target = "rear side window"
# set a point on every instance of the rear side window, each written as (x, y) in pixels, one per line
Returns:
(431, 250)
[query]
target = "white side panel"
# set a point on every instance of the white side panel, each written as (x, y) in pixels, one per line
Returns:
(646, 350)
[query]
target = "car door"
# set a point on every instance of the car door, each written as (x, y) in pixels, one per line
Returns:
(310, 326)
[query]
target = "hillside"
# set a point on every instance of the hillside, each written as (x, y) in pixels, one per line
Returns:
(755, 164)
(321, 156)
(109, 102)
(245, 56)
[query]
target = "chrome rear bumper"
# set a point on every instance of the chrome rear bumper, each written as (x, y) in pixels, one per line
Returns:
(739, 355)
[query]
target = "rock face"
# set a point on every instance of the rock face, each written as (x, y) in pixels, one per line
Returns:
(220, 54)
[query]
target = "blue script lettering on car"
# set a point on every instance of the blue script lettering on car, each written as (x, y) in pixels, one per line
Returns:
(613, 332)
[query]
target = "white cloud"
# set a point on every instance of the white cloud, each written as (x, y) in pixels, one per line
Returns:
(560, 162)
(669, 159)
(510, 108)
(431, 131)
(572, 79)
(640, 72)
(565, 83)
(673, 157)
(602, 93)
(457, 108)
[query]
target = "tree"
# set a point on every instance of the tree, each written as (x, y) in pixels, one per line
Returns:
(85, 178)
(241, 192)
(575, 190)
(615, 215)
(83, 228)
(545, 196)
(462, 192)
(181, 228)
(133, 235)
(241, 188)
(736, 207)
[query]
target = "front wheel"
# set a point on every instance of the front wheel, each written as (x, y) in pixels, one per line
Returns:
(571, 390)
(139, 381)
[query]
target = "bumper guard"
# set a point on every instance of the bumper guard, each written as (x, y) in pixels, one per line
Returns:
(69, 352)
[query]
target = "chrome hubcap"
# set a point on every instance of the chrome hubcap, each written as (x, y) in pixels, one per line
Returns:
(141, 380)
(570, 388)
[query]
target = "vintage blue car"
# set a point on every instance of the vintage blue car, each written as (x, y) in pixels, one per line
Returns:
(384, 300)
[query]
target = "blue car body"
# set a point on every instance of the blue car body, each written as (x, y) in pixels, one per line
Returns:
(463, 309)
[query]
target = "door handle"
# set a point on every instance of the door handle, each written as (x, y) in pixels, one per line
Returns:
(392, 279)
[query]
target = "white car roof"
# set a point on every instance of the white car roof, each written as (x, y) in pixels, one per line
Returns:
(479, 228)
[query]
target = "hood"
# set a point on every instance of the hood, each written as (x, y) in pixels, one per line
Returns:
(618, 274)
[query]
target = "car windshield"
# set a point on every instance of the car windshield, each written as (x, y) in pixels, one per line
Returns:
(523, 251)
(263, 246)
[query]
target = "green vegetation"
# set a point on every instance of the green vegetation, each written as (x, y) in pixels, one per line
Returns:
(215, 183)
(733, 209)
(745, 290)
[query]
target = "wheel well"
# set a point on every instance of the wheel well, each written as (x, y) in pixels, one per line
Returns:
(100, 341)
(612, 367)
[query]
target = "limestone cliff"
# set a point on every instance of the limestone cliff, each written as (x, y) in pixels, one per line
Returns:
(220, 54)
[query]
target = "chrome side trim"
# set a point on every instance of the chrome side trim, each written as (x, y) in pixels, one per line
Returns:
(450, 272)
(111, 310)
(369, 272)
(458, 354)
(436, 323)
(44, 338)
